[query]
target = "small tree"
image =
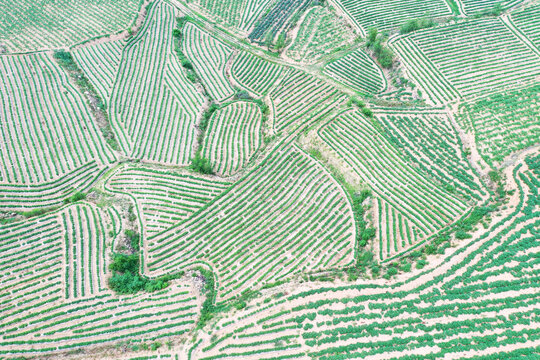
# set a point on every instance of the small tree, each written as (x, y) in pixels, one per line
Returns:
(201, 165)
(269, 39)
(372, 36)
(386, 58)
(280, 43)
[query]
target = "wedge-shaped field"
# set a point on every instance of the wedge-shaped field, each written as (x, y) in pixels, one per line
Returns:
(255, 74)
(28, 25)
(50, 144)
(233, 136)
(28, 197)
(423, 206)
(57, 263)
(391, 14)
(278, 19)
(301, 99)
(503, 123)
(487, 288)
(358, 71)
(468, 59)
(100, 63)
(164, 197)
(242, 14)
(209, 57)
(320, 32)
(527, 21)
(286, 216)
(153, 106)
(429, 141)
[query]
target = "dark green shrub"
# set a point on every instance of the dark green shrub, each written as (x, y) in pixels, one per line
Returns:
(386, 58)
(367, 112)
(134, 239)
(201, 165)
(372, 36)
(78, 196)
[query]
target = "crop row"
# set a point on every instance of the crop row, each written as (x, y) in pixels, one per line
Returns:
(300, 99)
(320, 32)
(153, 106)
(475, 57)
(390, 15)
(209, 57)
(233, 136)
(433, 145)
(27, 26)
(276, 19)
(358, 71)
(165, 197)
(48, 129)
(100, 63)
(357, 142)
(54, 294)
(255, 74)
(285, 216)
(482, 300)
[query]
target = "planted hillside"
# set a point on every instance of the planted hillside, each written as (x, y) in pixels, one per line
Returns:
(269, 179)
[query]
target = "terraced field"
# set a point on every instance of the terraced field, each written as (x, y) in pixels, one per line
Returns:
(153, 106)
(46, 25)
(358, 71)
(269, 179)
(390, 15)
(407, 199)
(417, 316)
(322, 235)
(233, 137)
(319, 34)
(469, 60)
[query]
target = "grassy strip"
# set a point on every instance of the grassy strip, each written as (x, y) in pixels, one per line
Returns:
(96, 104)
(198, 163)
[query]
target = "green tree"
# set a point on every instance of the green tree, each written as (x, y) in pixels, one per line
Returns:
(269, 39)
(372, 36)
(280, 43)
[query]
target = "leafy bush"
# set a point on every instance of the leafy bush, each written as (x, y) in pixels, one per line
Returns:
(375, 41)
(65, 59)
(372, 36)
(133, 238)
(75, 197)
(125, 263)
(367, 112)
(386, 58)
(208, 307)
(201, 165)
(207, 115)
(126, 279)
(280, 43)
(37, 212)
(416, 24)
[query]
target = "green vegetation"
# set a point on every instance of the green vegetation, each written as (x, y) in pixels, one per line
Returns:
(453, 6)
(322, 190)
(95, 102)
(208, 307)
(416, 24)
(494, 11)
(201, 165)
(377, 43)
(134, 239)
(127, 280)
(77, 196)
